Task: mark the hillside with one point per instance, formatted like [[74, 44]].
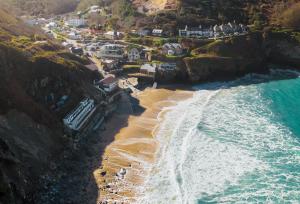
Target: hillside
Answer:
[[41, 7], [35, 74], [171, 15]]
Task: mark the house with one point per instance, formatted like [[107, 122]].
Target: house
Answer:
[[76, 50], [157, 32], [79, 116], [74, 36], [226, 29], [147, 54], [113, 35], [217, 29], [148, 69], [51, 25], [167, 67], [230, 28], [92, 67], [66, 44], [172, 49], [134, 55], [76, 22], [243, 28], [109, 65], [197, 32], [144, 32], [94, 9], [111, 51], [108, 84]]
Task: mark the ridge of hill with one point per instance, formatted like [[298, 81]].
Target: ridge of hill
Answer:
[[173, 14], [41, 7]]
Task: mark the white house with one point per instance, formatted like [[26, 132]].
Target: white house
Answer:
[[51, 25], [216, 31], [148, 69], [196, 32], [76, 22], [111, 51], [94, 9], [157, 32], [108, 84], [167, 67], [109, 65], [172, 49], [74, 36], [77, 118], [144, 32], [133, 55], [113, 35], [226, 29]]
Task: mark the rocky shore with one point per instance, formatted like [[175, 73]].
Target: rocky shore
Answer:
[[235, 56]]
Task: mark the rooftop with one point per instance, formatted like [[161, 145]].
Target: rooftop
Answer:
[[108, 79]]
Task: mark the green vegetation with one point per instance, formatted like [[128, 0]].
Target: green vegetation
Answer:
[[84, 4], [151, 40], [291, 17], [21, 41], [44, 7]]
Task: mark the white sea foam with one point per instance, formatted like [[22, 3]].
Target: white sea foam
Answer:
[[221, 146]]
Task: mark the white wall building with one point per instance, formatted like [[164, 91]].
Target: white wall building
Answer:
[[74, 36], [111, 51], [196, 32], [108, 84], [157, 32], [76, 119], [113, 35], [94, 9], [148, 69], [172, 49], [51, 25], [134, 55], [76, 22]]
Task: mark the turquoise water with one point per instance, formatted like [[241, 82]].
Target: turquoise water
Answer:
[[234, 142]]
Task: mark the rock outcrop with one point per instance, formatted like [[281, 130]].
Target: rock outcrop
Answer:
[[225, 59], [237, 56], [33, 78]]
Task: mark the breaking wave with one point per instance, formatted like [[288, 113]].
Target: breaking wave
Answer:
[[231, 142]]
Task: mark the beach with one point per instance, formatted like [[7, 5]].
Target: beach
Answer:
[[128, 159]]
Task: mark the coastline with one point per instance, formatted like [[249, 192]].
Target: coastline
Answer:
[[128, 159]]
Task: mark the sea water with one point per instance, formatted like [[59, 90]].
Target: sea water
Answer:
[[232, 142]]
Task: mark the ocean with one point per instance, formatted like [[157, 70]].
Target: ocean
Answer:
[[232, 142]]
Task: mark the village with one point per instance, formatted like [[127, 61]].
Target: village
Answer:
[[126, 66]]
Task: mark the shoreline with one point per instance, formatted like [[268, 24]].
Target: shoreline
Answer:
[[128, 160]]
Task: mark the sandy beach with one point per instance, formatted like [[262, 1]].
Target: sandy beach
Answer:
[[128, 159]]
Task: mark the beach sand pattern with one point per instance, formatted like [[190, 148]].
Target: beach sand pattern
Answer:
[[128, 160]]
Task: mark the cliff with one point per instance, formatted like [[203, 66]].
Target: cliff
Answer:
[[207, 68], [35, 73], [283, 48], [236, 56]]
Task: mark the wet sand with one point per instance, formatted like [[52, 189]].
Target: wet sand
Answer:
[[127, 161]]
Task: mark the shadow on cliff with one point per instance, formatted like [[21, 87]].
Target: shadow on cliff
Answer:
[[77, 184], [275, 74]]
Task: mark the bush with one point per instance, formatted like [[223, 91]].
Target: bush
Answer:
[[291, 17]]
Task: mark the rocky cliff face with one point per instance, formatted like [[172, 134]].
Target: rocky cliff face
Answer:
[[26, 150], [31, 132], [207, 68], [241, 55], [282, 49], [227, 59], [33, 78]]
